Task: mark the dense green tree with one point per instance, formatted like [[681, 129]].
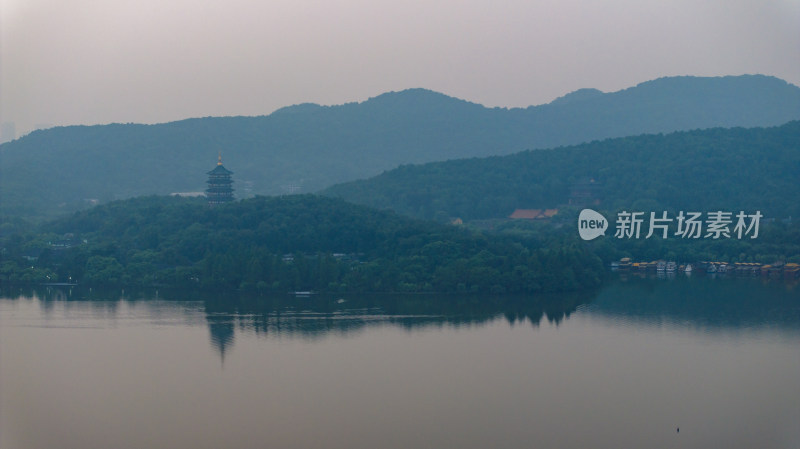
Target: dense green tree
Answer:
[[703, 170], [296, 243]]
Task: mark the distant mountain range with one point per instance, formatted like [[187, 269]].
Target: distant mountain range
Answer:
[[309, 147]]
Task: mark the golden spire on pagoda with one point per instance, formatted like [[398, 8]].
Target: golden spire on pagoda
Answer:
[[219, 160]]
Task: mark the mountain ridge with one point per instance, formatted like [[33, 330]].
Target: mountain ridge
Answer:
[[311, 147]]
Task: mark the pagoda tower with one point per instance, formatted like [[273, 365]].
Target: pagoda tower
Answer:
[[219, 184]]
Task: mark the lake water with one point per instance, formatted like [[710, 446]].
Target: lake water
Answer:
[[682, 363]]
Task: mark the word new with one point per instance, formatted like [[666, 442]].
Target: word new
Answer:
[[591, 224]]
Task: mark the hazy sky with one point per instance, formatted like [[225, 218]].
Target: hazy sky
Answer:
[[147, 61]]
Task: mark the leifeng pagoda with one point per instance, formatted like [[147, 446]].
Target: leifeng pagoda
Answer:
[[219, 184]]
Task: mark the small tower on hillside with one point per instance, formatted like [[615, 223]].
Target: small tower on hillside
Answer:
[[219, 184]]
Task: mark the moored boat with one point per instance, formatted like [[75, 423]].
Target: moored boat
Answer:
[[791, 271]]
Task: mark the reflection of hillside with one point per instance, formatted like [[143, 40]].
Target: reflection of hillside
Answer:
[[318, 316], [309, 318], [701, 301], [694, 302]]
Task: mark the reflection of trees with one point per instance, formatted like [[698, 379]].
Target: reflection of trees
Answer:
[[319, 316], [76, 293], [101, 303], [701, 301], [711, 303]]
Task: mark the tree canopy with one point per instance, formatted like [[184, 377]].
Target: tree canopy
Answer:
[[293, 243], [715, 169]]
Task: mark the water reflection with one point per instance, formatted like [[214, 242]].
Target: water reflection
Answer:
[[695, 302], [729, 304], [319, 316], [221, 327], [227, 313], [403, 371]]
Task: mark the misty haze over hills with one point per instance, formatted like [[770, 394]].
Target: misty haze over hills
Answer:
[[309, 147]]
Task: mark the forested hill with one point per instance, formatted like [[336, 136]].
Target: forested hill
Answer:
[[309, 147], [702, 170], [288, 243]]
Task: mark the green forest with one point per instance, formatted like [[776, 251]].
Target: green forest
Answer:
[[313, 243], [289, 243], [320, 244], [704, 170], [392, 232]]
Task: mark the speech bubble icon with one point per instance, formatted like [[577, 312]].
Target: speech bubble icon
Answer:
[[591, 224]]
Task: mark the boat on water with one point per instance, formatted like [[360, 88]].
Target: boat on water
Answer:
[[791, 271], [776, 270]]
